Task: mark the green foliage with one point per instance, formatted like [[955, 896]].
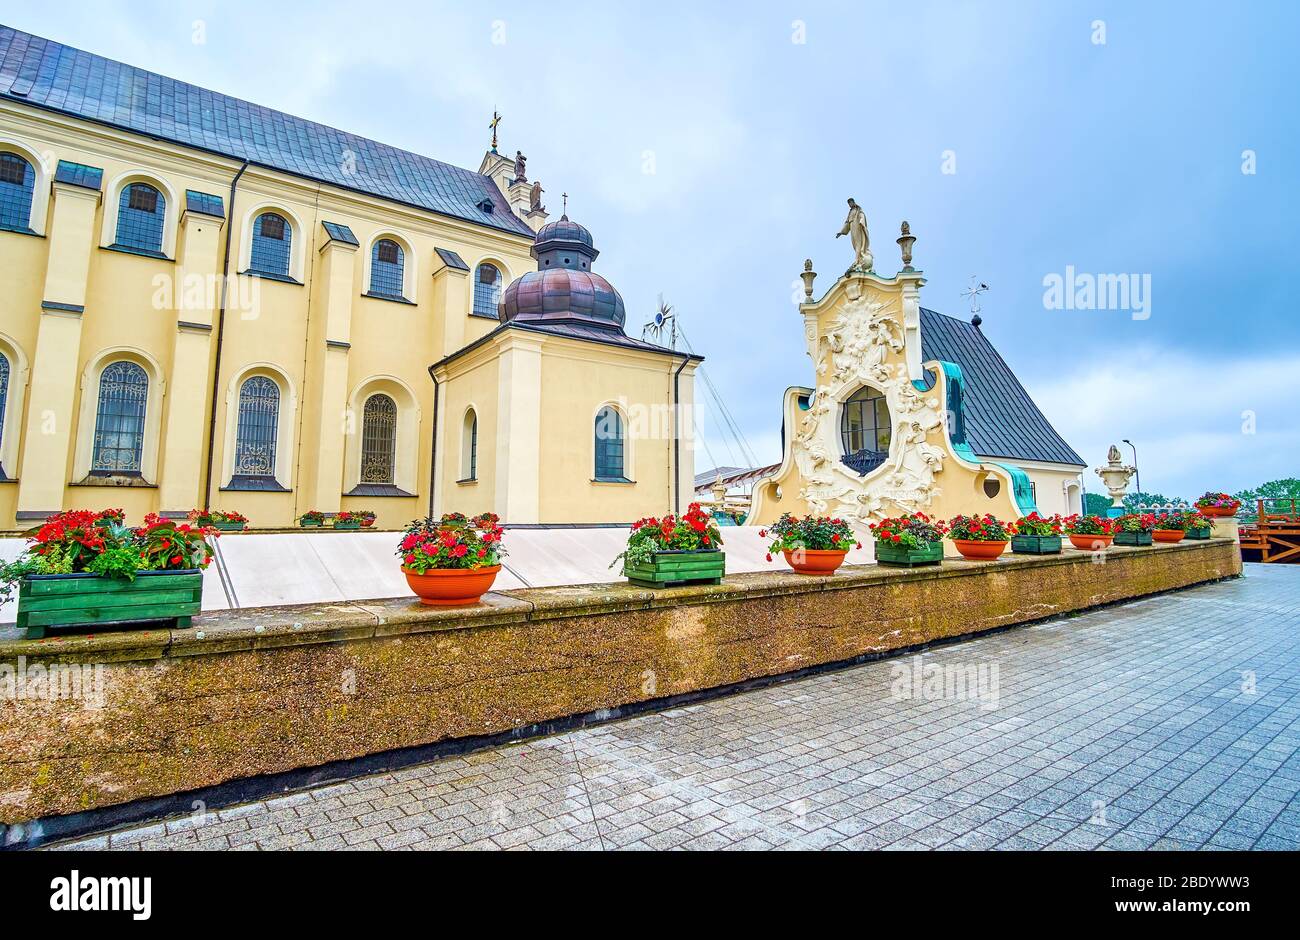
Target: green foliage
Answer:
[[1094, 504], [694, 531], [115, 563]]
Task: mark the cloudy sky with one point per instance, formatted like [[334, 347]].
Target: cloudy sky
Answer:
[[710, 151]]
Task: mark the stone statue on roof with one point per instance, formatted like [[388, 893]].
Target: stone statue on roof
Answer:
[[521, 161], [855, 226], [535, 197]]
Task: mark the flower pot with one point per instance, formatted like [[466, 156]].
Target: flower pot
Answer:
[[1091, 543], [1221, 512], [57, 600], [1168, 535], [309, 523], [367, 523], [979, 549], [900, 556], [1197, 534], [1132, 538], [814, 561], [346, 525], [451, 587], [673, 568], [230, 526], [1036, 544]]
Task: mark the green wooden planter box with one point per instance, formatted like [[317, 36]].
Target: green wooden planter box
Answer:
[[1036, 544], [346, 525], [890, 554], [60, 600], [1132, 538], [230, 526], [309, 523], [1198, 535], [669, 569]]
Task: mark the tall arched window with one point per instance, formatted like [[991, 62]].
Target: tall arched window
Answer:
[[272, 239], [140, 214], [609, 444], [259, 422], [378, 439], [17, 180], [386, 264], [487, 290], [865, 430], [469, 447], [119, 420]]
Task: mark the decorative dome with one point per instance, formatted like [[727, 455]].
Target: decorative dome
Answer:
[[563, 289]]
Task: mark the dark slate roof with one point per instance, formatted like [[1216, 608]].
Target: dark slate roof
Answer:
[[451, 259], [1001, 419], [49, 75], [204, 203], [78, 174], [340, 233]]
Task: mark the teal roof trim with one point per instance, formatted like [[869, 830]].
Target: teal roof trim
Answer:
[[1022, 489]]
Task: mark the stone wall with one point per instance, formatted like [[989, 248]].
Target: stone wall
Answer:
[[261, 691]]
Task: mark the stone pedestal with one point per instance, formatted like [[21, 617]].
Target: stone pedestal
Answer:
[[1225, 527]]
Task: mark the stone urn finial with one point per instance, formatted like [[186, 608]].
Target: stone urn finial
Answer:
[[719, 492], [808, 275], [1115, 476], [905, 241]]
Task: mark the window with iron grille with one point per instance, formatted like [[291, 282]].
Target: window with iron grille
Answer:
[[386, 263], [487, 291], [378, 439], [469, 447], [259, 422], [17, 180], [140, 214], [272, 239], [609, 444], [119, 421]]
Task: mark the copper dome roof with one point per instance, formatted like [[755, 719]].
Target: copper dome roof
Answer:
[[563, 289]]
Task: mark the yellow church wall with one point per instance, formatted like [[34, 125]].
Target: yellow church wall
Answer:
[[474, 384], [267, 324]]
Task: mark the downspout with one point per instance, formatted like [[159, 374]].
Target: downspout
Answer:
[[433, 447], [221, 331], [677, 440]]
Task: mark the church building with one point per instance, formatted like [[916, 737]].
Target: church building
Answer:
[[208, 303]]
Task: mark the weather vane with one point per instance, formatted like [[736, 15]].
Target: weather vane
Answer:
[[973, 292], [664, 319], [496, 119]]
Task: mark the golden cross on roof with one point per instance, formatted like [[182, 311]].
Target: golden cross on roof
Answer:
[[496, 119]]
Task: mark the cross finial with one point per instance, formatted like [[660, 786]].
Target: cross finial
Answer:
[[565, 213], [496, 119]]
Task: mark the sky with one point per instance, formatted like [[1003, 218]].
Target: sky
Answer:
[[710, 148]]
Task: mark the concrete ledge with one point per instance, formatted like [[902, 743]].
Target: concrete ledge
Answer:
[[264, 691]]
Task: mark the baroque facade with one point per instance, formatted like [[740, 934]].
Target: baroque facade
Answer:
[[911, 411], [209, 303]]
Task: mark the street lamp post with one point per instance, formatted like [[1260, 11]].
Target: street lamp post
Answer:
[[1136, 473]]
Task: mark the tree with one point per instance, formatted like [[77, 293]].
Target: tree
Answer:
[[1094, 504], [1133, 500]]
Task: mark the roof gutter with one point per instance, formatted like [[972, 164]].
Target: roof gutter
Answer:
[[221, 333], [433, 446]]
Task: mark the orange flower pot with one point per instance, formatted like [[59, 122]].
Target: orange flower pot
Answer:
[[1091, 543], [1220, 512], [980, 550], [814, 561], [1168, 535], [451, 587]]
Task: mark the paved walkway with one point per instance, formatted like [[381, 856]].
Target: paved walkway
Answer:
[[1172, 722]]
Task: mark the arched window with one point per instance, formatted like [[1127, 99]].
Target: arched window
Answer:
[[865, 430], [487, 290], [469, 447], [119, 420], [386, 263], [17, 180], [609, 444], [378, 439], [259, 421], [140, 214], [272, 239]]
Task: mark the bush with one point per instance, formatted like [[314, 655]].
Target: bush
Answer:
[[694, 531]]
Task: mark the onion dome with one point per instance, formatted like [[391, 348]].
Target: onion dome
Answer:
[[563, 289]]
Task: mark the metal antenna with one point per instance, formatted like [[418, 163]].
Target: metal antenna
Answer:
[[973, 292]]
